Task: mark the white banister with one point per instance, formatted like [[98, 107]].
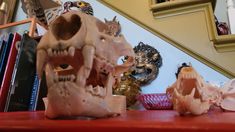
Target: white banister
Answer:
[[231, 15]]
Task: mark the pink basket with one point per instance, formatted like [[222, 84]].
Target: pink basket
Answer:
[[158, 101]]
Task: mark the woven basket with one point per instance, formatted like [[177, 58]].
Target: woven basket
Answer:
[[157, 101]]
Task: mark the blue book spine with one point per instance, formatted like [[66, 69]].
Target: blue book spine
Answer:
[[34, 95], [4, 56]]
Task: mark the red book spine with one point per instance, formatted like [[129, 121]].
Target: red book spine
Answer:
[[8, 71]]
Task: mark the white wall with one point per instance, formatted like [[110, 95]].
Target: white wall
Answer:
[[221, 11], [231, 15], [172, 57], [223, 15]]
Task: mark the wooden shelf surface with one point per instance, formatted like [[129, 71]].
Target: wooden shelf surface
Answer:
[[133, 121]]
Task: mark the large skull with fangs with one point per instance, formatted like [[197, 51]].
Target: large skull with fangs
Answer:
[[83, 86]]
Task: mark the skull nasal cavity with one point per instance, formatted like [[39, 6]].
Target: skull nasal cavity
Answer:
[[64, 29]]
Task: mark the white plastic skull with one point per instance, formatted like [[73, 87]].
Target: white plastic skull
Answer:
[[84, 87]]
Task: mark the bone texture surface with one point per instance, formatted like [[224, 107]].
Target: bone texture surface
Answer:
[[190, 94], [80, 61]]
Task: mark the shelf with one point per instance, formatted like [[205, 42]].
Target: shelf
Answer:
[[135, 121]]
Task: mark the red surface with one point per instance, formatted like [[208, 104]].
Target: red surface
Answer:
[[133, 121]]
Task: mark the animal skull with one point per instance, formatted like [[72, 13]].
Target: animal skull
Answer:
[[191, 94], [228, 102], [84, 87]]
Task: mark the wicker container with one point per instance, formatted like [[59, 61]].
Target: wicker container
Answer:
[[156, 101]]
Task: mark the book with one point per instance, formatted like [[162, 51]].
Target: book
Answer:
[[4, 56], [23, 77], [11, 90], [2, 44], [39, 91], [3, 38], [8, 71], [34, 93], [42, 93]]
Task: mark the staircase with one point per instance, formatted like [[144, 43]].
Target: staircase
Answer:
[[187, 24]]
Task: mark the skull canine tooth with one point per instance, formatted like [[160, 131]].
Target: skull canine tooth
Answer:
[[81, 80], [50, 75], [88, 53], [71, 51], [49, 52], [41, 61]]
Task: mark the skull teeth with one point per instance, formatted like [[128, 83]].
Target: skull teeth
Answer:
[[61, 52], [188, 76], [60, 78], [97, 90]]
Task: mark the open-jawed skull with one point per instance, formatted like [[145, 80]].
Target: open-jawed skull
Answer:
[[84, 87], [190, 94]]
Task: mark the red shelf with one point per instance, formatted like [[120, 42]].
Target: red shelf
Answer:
[[133, 121]]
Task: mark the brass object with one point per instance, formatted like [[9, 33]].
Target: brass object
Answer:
[[147, 63], [129, 87], [3, 12]]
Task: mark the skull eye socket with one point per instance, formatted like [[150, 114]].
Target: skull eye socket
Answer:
[[64, 29]]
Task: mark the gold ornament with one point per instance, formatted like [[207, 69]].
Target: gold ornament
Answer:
[[129, 87]]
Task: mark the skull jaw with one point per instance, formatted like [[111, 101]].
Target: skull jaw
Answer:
[[189, 105], [187, 97], [69, 100]]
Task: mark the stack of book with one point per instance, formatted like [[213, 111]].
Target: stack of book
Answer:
[[21, 89]]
